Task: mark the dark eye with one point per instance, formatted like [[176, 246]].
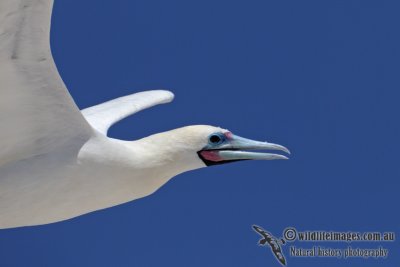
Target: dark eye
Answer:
[[215, 139]]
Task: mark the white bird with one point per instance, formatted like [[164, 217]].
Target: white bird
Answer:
[[56, 162]]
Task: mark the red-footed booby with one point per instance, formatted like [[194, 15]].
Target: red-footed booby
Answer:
[[56, 162]]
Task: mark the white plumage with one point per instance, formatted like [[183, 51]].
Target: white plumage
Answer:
[[57, 162]]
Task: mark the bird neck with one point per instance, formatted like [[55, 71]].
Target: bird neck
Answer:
[[167, 153], [145, 164]]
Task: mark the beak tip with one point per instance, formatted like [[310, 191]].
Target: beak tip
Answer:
[[287, 151], [281, 148], [278, 156]]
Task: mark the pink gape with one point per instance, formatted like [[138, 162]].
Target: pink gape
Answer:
[[211, 155]]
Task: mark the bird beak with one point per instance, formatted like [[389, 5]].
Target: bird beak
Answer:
[[233, 150]]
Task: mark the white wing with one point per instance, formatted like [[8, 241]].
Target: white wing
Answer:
[[103, 116], [36, 112]]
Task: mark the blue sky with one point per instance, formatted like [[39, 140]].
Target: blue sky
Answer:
[[320, 77]]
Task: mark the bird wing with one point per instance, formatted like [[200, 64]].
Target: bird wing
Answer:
[[104, 115], [37, 113]]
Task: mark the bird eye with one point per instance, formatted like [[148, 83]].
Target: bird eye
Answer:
[[215, 139]]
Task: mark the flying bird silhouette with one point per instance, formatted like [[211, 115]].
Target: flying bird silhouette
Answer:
[[56, 162], [273, 242]]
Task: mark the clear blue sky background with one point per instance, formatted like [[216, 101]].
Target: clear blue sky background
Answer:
[[321, 77]]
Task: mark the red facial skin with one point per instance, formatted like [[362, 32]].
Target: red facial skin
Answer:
[[228, 135]]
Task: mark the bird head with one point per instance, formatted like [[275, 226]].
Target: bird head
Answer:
[[222, 146], [202, 145]]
